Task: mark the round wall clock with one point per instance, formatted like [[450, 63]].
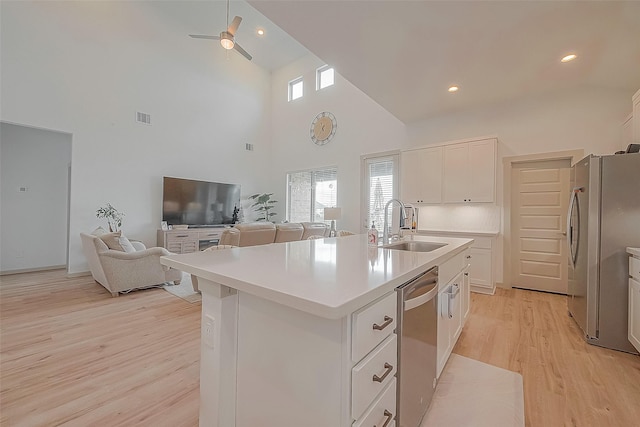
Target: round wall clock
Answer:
[[323, 128]]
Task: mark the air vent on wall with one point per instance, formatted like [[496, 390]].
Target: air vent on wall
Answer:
[[143, 118], [248, 147]]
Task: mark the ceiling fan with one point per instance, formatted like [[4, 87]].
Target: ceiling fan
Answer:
[[227, 37]]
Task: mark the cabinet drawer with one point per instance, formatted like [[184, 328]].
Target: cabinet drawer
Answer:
[[188, 247], [634, 268], [365, 334], [180, 237], [451, 268], [382, 409], [175, 247], [209, 235], [372, 375]]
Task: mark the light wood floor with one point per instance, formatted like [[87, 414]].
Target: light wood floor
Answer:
[[567, 382], [72, 355]]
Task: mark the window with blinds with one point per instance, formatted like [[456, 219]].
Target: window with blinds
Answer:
[[382, 181], [309, 192]]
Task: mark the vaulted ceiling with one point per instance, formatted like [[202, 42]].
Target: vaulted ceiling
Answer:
[[405, 54]]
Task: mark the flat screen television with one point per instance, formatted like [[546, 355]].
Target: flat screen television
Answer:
[[199, 203]]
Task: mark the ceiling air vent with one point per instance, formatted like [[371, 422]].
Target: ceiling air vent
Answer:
[[143, 118], [248, 147]]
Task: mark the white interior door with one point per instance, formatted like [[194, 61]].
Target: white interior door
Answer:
[[540, 197]]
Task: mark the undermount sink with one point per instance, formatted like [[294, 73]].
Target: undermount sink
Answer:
[[414, 246]]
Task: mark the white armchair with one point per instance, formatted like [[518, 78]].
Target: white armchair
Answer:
[[120, 271]]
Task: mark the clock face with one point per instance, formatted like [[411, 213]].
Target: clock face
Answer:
[[323, 128]]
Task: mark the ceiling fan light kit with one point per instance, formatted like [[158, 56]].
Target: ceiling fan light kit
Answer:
[[227, 38]]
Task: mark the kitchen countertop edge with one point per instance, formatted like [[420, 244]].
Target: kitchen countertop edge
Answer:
[[308, 305]]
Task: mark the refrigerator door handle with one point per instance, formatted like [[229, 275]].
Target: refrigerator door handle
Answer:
[[570, 230]]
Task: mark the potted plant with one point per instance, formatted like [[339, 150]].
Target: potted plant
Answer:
[[112, 215], [263, 205]]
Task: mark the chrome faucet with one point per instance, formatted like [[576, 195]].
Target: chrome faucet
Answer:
[[403, 217]]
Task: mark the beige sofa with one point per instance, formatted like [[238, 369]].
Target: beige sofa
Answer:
[[262, 233], [120, 271]]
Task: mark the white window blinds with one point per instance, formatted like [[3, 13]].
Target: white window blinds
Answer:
[[381, 175], [309, 192]]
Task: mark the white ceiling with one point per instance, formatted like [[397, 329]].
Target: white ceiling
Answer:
[[405, 54], [272, 51]]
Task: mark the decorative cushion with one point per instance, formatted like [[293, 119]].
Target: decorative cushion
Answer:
[[99, 231], [117, 242]]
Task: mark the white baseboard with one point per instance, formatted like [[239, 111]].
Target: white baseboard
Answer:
[[32, 270]]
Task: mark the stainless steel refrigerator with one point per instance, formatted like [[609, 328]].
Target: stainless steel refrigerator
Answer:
[[603, 219]]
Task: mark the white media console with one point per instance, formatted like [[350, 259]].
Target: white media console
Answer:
[[189, 240]]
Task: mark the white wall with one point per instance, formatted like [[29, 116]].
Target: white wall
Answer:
[[363, 127], [590, 119], [86, 68], [33, 230]]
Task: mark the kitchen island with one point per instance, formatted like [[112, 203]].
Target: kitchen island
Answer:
[[287, 336]]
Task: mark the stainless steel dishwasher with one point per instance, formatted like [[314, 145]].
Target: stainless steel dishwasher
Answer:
[[417, 331]]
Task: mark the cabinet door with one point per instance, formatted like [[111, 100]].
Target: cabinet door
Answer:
[[634, 313], [636, 118], [421, 175], [466, 297], [455, 309], [456, 173], [480, 270], [410, 176], [444, 339], [482, 171], [431, 160]]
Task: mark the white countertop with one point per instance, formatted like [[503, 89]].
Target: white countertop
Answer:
[[488, 233], [634, 251], [329, 277]]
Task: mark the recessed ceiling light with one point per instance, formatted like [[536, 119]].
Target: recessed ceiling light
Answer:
[[568, 58], [260, 32], [453, 89]]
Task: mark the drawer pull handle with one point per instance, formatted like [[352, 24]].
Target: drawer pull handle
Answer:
[[389, 417], [182, 235], [387, 322], [388, 368]]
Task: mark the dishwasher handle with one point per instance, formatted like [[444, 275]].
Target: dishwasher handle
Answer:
[[426, 285]]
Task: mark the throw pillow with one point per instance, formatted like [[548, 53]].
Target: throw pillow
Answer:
[[99, 231], [126, 244], [117, 242]]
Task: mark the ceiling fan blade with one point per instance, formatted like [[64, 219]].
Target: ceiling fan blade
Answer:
[[242, 51], [234, 25], [197, 36]]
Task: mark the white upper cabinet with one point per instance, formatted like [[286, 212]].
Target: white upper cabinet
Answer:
[[421, 175], [470, 172]]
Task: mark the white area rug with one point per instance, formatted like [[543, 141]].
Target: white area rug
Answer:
[[184, 290], [472, 393]]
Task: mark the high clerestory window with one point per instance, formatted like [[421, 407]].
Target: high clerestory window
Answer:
[[296, 87], [324, 77]]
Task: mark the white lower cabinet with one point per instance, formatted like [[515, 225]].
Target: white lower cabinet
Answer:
[[296, 369], [453, 309], [481, 270], [634, 302], [382, 411], [375, 351]]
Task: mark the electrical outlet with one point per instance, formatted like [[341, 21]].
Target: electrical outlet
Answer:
[[208, 331]]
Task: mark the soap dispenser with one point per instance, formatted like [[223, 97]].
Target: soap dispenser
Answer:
[[373, 235]]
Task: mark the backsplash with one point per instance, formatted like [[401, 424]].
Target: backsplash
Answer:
[[459, 218]]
